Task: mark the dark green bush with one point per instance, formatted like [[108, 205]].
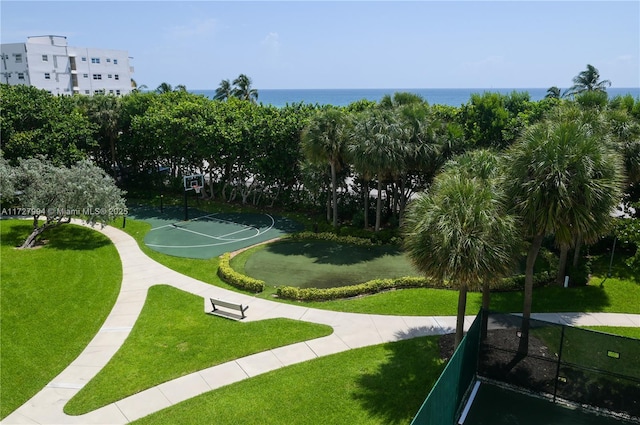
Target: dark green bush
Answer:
[[579, 275], [232, 277], [331, 237], [371, 287]]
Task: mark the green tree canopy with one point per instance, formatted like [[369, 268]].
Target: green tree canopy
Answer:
[[57, 194], [459, 232]]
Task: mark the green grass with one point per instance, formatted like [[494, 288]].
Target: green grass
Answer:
[[629, 332], [618, 294], [321, 264], [382, 385], [54, 299], [173, 337]]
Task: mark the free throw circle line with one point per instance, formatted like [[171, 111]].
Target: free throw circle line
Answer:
[[273, 222]]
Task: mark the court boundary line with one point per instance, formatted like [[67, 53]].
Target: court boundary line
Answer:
[[469, 403], [225, 241]]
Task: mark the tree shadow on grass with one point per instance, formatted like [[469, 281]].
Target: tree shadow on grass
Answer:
[[333, 253], [64, 237], [395, 392]]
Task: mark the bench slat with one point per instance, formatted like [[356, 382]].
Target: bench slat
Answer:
[[215, 303]]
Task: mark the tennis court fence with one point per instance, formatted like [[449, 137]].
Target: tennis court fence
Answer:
[[565, 363]]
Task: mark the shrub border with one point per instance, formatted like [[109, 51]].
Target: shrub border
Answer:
[[232, 277]]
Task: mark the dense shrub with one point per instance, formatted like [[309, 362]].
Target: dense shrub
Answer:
[[371, 287], [332, 237], [514, 283], [232, 277]]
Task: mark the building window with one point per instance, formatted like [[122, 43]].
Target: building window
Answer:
[[118, 92], [109, 76], [95, 60], [87, 92], [85, 75], [45, 58], [84, 59], [20, 75], [101, 91], [115, 61], [117, 77], [47, 76], [108, 60], [19, 58], [110, 91], [97, 76]]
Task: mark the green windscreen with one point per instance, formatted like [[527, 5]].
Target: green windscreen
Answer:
[[442, 403]]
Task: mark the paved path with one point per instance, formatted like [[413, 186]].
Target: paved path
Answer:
[[140, 272]]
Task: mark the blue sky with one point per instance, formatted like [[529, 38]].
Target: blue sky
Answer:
[[360, 44]]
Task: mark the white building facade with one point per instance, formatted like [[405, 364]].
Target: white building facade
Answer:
[[48, 63]]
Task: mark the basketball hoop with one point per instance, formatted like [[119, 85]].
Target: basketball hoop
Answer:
[[197, 188]]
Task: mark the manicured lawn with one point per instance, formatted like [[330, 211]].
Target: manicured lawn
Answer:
[[618, 330], [173, 337], [382, 385], [619, 294], [320, 264], [54, 299]]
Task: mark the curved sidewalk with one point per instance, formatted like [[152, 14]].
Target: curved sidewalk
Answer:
[[140, 272]]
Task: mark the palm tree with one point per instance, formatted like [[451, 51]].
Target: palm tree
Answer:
[[588, 80], [357, 150], [325, 140], [385, 152], [563, 180], [459, 232], [224, 91], [553, 93], [486, 166], [164, 88], [243, 89]]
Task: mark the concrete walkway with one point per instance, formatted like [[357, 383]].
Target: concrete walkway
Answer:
[[140, 272]]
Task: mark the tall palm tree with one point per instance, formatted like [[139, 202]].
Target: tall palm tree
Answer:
[[224, 91], [357, 150], [243, 89], [588, 80], [459, 232], [324, 140], [563, 181], [553, 93], [385, 152], [486, 166], [164, 88]]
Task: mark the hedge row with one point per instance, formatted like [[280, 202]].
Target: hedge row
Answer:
[[370, 287], [332, 237], [513, 283], [516, 283], [232, 277]]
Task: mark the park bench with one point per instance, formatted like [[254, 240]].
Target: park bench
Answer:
[[216, 304]]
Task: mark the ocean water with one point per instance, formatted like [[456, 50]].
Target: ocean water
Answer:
[[343, 97]]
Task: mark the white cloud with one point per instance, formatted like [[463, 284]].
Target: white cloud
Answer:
[[271, 43]]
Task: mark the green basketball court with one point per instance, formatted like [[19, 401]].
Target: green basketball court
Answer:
[[207, 235]]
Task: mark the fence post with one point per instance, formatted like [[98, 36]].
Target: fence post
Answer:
[[555, 385]]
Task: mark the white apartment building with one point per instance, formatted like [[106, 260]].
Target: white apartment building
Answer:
[[48, 63]]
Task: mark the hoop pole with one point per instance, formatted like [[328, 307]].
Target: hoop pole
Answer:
[[186, 207]]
